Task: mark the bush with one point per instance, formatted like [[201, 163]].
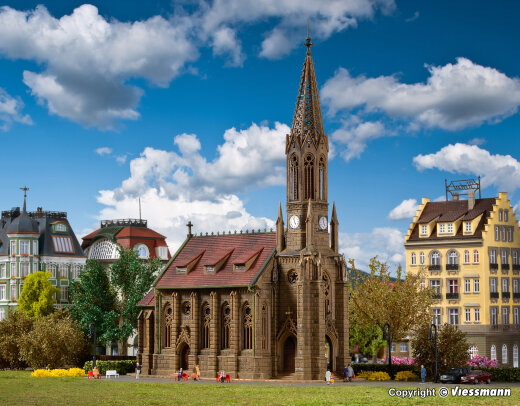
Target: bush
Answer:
[[502, 374], [122, 367], [47, 373], [406, 376], [400, 361], [379, 376], [55, 341], [482, 361], [12, 329], [358, 368]]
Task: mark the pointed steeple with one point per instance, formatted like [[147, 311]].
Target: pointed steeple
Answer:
[[334, 225], [307, 125], [280, 237]]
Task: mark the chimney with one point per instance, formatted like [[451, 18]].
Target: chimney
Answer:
[[455, 195], [471, 199]]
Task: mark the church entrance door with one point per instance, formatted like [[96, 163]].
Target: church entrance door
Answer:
[[289, 353], [328, 353], [185, 360]]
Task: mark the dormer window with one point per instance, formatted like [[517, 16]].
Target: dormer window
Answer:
[[59, 227], [163, 252], [450, 228], [187, 266], [142, 251], [442, 228], [467, 229], [209, 269], [424, 229], [181, 269]]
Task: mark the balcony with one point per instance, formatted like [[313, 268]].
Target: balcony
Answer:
[[516, 267], [506, 295], [437, 296], [434, 267], [493, 295], [516, 295], [452, 296], [452, 267], [493, 266], [505, 267]]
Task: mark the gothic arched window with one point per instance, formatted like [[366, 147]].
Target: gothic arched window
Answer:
[[168, 322], [247, 328], [226, 326], [308, 168], [264, 326], [205, 331], [293, 178], [322, 176], [327, 296]]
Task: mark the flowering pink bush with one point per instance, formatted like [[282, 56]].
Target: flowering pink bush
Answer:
[[481, 361], [400, 361]]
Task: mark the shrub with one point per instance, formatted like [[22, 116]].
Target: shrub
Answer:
[[12, 329], [379, 376], [364, 374], [48, 373], [55, 341], [122, 367], [400, 361], [406, 376], [482, 361], [358, 368]]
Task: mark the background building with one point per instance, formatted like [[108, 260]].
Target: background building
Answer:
[[36, 241], [470, 250], [104, 243]]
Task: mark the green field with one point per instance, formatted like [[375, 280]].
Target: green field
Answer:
[[18, 388]]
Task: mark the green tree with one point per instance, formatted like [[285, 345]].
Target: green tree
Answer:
[[55, 341], [452, 347], [368, 340], [12, 329], [376, 300], [37, 299], [130, 278], [92, 299]]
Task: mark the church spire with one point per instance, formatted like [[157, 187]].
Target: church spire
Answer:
[[280, 234], [307, 125]]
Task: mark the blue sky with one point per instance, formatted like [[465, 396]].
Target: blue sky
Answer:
[[187, 104]]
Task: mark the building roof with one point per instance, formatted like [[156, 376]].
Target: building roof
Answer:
[[148, 299], [241, 248], [450, 211]]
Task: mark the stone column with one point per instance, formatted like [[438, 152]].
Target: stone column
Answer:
[[304, 322], [214, 333], [235, 330], [195, 327], [176, 328]]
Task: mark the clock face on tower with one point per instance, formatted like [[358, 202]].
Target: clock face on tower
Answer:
[[322, 223], [294, 222]]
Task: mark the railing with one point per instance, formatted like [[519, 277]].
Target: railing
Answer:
[[452, 296], [493, 266], [516, 295], [516, 267], [504, 267], [506, 295], [50, 214], [452, 267], [493, 295], [124, 223], [437, 296], [434, 267]]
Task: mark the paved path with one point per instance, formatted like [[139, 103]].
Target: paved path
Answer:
[[389, 384]]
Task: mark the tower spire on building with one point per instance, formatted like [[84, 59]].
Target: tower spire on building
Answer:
[[25, 189], [307, 125]]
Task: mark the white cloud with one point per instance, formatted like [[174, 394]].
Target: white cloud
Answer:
[[477, 141], [121, 159], [10, 110], [87, 59], [356, 135], [103, 151], [225, 42], [413, 18], [179, 186], [502, 171], [405, 210], [384, 242]]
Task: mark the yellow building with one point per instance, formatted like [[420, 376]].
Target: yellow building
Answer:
[[470, 250]]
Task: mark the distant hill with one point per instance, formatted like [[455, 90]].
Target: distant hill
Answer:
[[357, 277]]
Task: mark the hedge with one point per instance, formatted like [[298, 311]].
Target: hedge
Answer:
[[122, 367], [384, 368], [502, 374]]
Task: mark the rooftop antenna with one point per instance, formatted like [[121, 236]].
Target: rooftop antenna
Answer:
[[139, 208]]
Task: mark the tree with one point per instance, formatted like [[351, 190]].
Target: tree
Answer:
[[130, 278], [37, 297], [377, 300], [12, 329], [452, 347], [368, 340], [55, 341], [92, 299]]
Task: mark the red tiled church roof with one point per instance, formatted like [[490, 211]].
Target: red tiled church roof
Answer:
[[213, 248], [148, 299]]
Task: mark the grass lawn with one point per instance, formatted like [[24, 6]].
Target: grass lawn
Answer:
[[18, 388]]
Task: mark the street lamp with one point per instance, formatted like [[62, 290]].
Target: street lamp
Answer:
[[433, 336], [92, 333], [387, 335]]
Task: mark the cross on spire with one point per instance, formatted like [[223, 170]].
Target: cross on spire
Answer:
[[25, 189], [308, 43]]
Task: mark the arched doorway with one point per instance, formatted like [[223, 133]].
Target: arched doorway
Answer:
[[185, 357], [329, 354], [289, 353]]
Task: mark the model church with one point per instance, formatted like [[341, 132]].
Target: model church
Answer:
[[259, 305]]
